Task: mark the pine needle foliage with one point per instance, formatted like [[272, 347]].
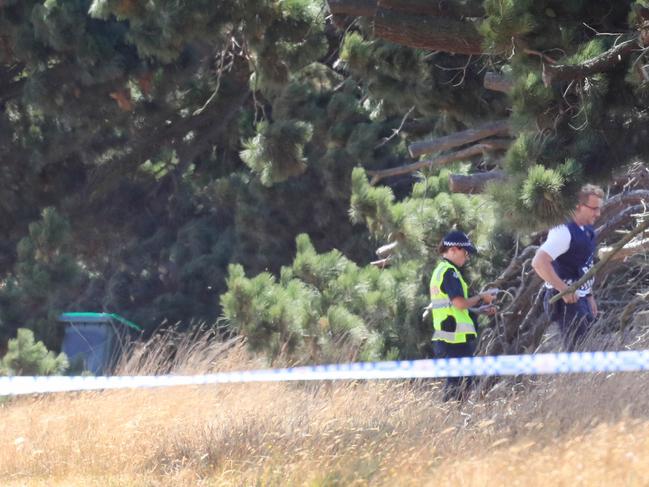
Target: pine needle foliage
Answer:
[[323, 308], [276, 153], [25, 356]]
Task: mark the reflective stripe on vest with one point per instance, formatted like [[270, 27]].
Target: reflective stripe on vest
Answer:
[[443, 308]]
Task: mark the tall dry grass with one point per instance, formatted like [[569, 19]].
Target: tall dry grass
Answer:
[[581, 429]]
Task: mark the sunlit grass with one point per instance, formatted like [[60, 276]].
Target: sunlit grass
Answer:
[[586, 429]]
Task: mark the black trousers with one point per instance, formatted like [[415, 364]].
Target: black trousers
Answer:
[[575, 320], [455, 387]]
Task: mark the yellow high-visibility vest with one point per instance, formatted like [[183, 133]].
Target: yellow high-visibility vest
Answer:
[[450, 325]]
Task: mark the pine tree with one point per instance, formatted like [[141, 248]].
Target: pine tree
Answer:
[[25, 356]]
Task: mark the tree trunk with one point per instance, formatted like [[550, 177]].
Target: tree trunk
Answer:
[[500, 127], [451, 9], [455, 9], [473, 183], [431, 33], [354, 8]]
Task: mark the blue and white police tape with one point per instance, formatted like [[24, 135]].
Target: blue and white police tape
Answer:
[[543, 363]]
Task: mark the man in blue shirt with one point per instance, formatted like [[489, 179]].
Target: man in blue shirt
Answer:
[[566, 255]]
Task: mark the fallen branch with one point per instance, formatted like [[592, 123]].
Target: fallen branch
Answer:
[[604, 62], [611, 224], [382, 263], [500, 127], [387, 249], [473, 183], [630, 309], [461, 155], [593, 270], [513, 268], [497, 82], [620, 201], [632, 248]]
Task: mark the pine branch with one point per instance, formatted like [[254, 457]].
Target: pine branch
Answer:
[[481, 148], [500, 127], [593, 270], [604, 62]]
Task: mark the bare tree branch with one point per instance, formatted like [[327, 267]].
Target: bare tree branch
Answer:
[[485, 146], [497, 82], [500, 127], [611, 224], [632, 248], [620, 201], [473, 183], [604, 62]]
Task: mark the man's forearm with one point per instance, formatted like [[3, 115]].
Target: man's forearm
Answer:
[[542, 264]]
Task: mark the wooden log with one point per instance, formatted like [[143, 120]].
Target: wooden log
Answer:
[[452, 9], [473, 183], [461, 155], [354, 8], [499, 127], [426, 32], [497, 82]]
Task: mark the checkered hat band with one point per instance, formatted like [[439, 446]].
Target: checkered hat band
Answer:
[[458, 244]]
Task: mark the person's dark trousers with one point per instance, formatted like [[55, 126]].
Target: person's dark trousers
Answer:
[[575, 320], [455, 386]]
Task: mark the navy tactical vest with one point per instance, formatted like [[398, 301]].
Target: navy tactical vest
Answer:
[[578, 259]]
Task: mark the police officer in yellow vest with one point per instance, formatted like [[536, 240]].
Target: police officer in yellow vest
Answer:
[[454, 329]]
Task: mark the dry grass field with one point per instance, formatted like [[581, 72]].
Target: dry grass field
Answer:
[[570, 430]]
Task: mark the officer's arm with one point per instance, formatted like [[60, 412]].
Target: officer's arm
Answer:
[[465, 303], [542, 264]]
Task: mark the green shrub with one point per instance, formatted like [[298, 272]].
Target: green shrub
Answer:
[[25, 356]]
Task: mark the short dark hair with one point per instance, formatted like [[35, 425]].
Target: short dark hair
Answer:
[[441, 248]]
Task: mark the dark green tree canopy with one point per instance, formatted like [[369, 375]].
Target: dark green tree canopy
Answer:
[[154, 154]]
